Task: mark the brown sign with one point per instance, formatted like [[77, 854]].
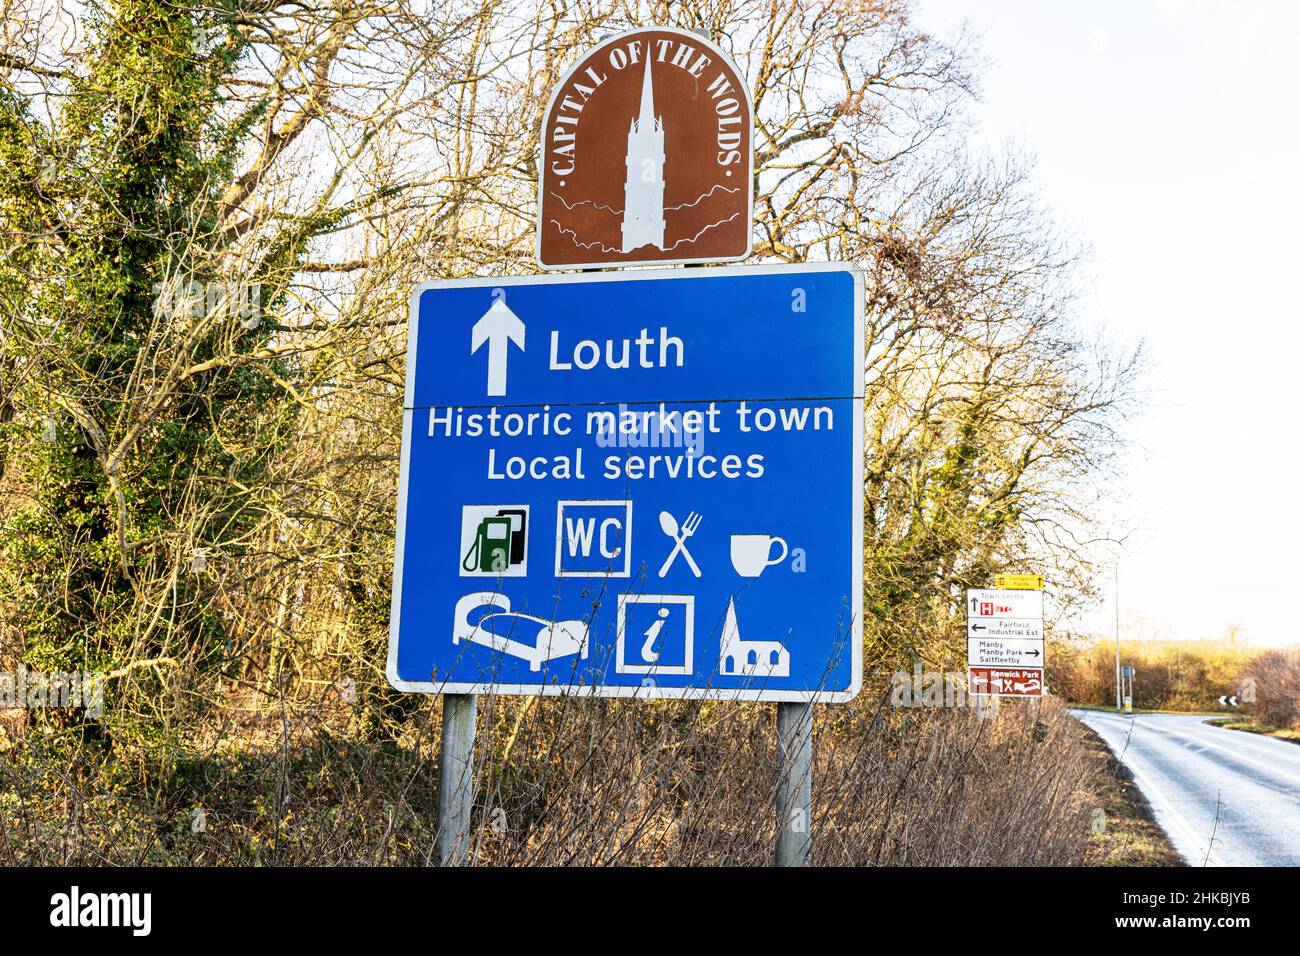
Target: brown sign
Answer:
[[647, 156], [1005, 681]]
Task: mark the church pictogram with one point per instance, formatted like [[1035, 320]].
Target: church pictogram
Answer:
[[643, 193]]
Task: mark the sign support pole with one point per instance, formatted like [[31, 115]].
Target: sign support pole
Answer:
[[794, 749], [456, 777]]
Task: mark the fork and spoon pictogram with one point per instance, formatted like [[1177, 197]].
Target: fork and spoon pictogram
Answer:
[[679, 534]]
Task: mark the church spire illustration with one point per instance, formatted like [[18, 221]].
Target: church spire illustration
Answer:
[[643, 192]]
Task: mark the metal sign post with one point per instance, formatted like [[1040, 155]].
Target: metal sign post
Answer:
[[794, 752], [456, 778], [1126, 684]]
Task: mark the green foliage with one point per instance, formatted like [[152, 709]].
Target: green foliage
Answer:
[[137, 437]]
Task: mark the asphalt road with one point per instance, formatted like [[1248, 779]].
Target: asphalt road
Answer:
[[1225, 798]]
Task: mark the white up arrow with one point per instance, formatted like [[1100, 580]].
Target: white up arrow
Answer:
[[498, 328]]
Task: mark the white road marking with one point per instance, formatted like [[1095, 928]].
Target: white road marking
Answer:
[[1163, 805]]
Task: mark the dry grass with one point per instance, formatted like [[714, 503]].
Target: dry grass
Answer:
[[1185, 676], [1281, 733], [576, 782], [1126, 834]]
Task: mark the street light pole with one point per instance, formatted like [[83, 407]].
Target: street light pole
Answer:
[[1119, 678]]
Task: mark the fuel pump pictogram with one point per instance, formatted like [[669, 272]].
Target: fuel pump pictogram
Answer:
[[494, 540]]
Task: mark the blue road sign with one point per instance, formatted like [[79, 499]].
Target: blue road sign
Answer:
[[636, 484]]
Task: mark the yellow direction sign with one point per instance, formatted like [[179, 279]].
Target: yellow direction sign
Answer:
[[1019, 582]]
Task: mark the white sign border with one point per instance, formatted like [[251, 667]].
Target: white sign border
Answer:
[[645, 692]]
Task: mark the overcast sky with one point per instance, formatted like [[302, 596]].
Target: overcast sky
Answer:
[[1166, 136]]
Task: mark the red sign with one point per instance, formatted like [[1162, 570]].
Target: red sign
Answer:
[[646, 155], [1006, 681]]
